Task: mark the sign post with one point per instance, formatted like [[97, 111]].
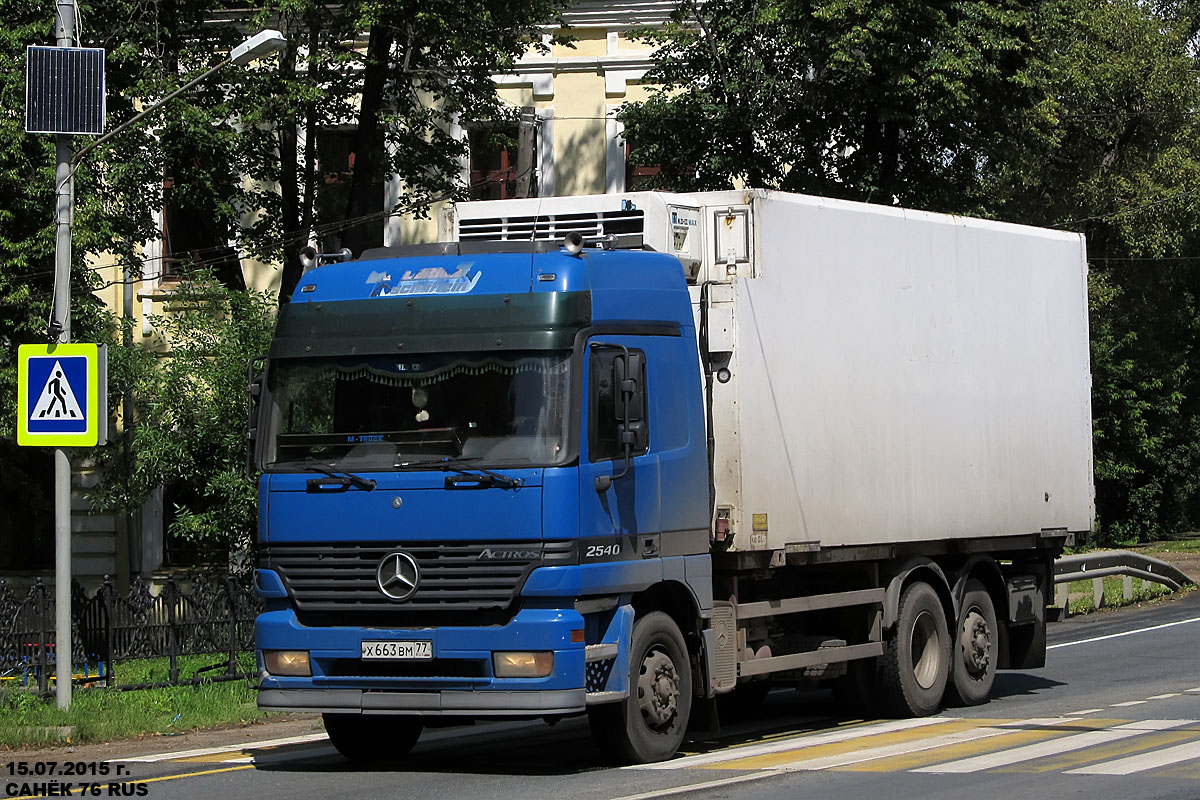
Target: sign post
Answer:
[[60, 327], [65, 91]]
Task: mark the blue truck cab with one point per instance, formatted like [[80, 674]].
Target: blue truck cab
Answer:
[[485, 492]]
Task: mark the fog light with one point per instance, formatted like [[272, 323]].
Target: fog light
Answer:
[[292, 663], [523, 665]]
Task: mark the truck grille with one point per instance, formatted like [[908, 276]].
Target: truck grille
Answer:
[[326, 578], [590, 225]]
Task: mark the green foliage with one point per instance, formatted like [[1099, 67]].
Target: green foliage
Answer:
[[27, 264], [1125, 170], [192, 408], [1083, 601], [238, 156], [1076, 114], [421, 74], [863, 99], [101, 715]]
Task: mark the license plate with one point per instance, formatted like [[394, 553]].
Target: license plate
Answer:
[[397, 651]]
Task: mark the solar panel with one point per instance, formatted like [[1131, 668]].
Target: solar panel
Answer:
[[64, 90]]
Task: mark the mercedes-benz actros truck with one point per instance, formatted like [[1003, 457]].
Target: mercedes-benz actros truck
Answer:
[[619, 455]]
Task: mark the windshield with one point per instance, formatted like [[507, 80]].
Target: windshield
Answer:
[[385, 412]]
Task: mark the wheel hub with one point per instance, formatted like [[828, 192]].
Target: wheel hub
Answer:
[[658, 688], [926, 650], [975, 641]]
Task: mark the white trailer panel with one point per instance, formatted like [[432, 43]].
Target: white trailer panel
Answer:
[[895, 376], [904, 376]]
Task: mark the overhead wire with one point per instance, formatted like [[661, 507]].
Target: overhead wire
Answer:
[[1131, 210]]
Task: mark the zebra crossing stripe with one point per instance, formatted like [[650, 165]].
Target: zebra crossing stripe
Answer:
[[1014, 734], [875, 747], [1143, 761], [1053, 747], [796, 742], [1107, 752]]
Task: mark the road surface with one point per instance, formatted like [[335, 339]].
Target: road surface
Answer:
[[1115, 713]]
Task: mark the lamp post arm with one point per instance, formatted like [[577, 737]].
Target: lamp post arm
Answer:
[[147, 112]]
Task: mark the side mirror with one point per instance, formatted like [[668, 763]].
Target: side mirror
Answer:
[[629, 369]]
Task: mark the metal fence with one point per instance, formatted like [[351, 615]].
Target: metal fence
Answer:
[[196, 615]]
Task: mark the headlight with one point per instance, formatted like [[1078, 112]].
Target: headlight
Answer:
[[289, 663], [523, 664]]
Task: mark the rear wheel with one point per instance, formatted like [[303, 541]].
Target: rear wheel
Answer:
[[649, 724], [372, 737], [974, 659], [916, 663]]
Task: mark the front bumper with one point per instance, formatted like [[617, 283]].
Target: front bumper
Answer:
[[435, 703], [472, 689]]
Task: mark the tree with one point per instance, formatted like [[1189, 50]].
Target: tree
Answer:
[[861, 99], [27, 222], [190, 434], [1076, 114], [1124, 168], [421, 72], [237, 158]]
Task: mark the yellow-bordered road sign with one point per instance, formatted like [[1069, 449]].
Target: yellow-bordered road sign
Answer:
[[62, 395]]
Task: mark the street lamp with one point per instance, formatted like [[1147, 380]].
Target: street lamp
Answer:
[[261, 44]]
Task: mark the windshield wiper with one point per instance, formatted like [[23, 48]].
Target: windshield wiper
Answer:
[[366, 484], [459, 465]]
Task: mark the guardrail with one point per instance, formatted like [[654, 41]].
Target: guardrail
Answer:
[[1098, 565]]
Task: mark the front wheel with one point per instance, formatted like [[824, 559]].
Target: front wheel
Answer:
[[366, 738], [649, 724]]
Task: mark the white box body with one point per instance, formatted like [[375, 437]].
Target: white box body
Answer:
[[895, 376]]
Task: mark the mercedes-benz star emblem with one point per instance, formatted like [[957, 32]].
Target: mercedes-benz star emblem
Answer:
[[398, 575]]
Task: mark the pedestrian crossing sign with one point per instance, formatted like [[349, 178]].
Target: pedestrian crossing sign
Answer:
[[61, 395]]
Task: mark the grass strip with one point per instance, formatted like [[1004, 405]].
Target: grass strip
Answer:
[[99, 715]]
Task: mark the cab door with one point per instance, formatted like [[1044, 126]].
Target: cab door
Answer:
[[620, 508]]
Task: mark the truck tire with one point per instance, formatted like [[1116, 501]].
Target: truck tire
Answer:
[[365, 738], [915, 665], [974, 659], [649, 724]]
